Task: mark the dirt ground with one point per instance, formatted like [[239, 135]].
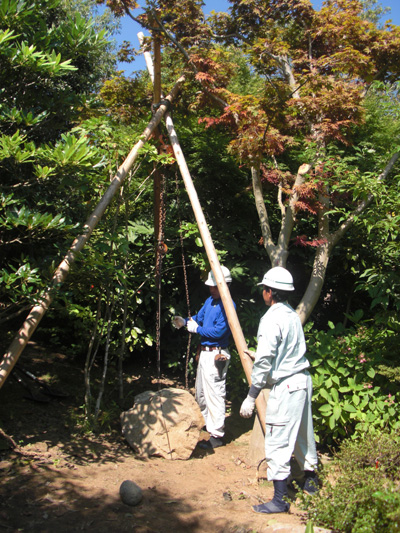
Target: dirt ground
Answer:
[[53, 478]]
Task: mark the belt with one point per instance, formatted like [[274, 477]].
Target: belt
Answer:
[[210, 348]]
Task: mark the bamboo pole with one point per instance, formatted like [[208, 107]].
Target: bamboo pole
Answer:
[[157, 181], [226, 298], [157, 70], [38, 311]]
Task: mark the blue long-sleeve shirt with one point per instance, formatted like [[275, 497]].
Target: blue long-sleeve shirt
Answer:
[[213, 324]]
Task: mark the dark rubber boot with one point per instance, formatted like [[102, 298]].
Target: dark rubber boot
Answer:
[[311, 484], [277, 504]]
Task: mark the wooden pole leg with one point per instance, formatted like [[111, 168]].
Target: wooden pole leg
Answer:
[[257, 440]]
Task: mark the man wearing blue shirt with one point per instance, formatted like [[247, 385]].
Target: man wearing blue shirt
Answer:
[[212, 325]]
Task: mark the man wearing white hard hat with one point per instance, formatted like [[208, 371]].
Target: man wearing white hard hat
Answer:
[[280, 362], [212, 325]]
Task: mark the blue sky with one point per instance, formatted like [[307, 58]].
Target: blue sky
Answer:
[[130, 29]]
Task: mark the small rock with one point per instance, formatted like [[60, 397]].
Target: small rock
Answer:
[[130, 493]]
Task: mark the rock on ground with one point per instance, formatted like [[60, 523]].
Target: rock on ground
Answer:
[[130, 493], [166, 423]]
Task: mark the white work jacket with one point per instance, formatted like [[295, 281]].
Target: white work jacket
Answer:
[[281, 346]]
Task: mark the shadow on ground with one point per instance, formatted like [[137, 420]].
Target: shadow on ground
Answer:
[[46, 464]]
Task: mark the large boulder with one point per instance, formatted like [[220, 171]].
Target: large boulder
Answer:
[[166, 423]]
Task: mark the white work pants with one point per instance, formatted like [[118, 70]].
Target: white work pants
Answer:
[[211, 391], [289, 426]]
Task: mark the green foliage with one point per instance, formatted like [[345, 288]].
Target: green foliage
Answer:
[[351, 392], [20, 278], [373, 10], [380, 249], [245, 80], [236, 382], [50, 61], [360, 490], [112, 264]]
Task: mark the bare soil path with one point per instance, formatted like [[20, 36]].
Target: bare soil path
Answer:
[[58, 480]]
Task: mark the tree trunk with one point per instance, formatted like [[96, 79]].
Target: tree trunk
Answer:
[[313, 291], [88, 394]]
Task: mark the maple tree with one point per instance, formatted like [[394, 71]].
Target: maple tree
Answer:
[[298, 133]]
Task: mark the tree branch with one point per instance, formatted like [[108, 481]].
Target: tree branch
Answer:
[[322, 255], [262, 212], [289, 216], [316, 282]]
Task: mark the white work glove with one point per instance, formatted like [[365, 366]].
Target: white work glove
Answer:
[[251, 354], [247, 407], [178, 322], [192, 326]]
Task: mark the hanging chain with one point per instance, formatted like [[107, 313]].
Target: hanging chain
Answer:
[[185, 280], [159, 258], [161, 250]]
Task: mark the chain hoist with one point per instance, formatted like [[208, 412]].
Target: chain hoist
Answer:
[[185, 281], [161, 250]]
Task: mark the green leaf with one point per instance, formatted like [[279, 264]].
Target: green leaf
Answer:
[[349, 408], [337, 411], [325, 409], [309, 527], [7, 35], [335, 395], [325, 394], [342, 370], [380, 404]]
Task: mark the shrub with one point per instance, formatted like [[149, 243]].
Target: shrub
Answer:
[[352, 391], [360, 487]]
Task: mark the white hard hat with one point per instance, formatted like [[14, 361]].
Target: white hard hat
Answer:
[[211, 280], [278, 278]]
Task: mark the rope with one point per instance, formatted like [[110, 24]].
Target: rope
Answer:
[[163, 422]]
